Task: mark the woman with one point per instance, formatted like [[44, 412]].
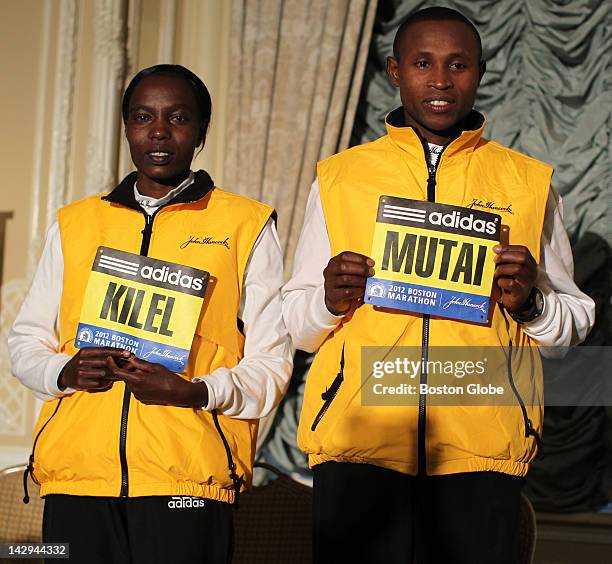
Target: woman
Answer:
[[133, 460]]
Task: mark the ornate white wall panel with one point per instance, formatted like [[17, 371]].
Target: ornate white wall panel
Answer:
[[63, 100], [15, 398], [109, 66], [132, 42], [37, 181]]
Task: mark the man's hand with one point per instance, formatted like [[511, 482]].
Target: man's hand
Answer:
[[515, 275], [87, 369], [346, 275], [152, 383]]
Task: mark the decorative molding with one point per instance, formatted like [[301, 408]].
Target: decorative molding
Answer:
[[63, 102], [4, 218], [110, 17], [132, 40], [43, 77], [132, 45]]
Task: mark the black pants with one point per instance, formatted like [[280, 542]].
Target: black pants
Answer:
[[143, 529], [363, 513]]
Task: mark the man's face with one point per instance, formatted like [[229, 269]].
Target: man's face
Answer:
[[438, 72], [163, 130]]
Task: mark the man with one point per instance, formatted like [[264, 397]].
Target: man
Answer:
[[442, 480]]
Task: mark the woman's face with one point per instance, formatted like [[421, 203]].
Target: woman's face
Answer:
[[163, 130]]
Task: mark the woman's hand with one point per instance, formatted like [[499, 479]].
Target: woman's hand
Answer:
[[153, 383], [87, 370]]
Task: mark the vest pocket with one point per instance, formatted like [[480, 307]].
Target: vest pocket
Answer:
[[529, 429], [29, 471], [330, 393]]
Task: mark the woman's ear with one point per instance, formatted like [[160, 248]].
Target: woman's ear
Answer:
[[202, 136]]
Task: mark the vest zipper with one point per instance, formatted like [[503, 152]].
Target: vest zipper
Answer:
[[422, 466], [146, 233], [122, 440], [529, 430], [125, 408], [29, 471], [330, 393], [421, 429], [144, 251]]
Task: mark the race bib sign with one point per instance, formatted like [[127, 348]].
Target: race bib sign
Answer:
[[147, 306], [433, 258]]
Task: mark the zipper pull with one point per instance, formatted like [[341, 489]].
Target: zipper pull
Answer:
[[148, 228], [530, 431], [29, 469], [431, 185], [146, 235]]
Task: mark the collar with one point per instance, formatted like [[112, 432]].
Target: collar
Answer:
[[123, 194], [407, 139], [148, 202]]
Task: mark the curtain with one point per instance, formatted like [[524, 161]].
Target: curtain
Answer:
[[296, 74], [294, 85]]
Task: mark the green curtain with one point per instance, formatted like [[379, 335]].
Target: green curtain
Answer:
[[547, 92]]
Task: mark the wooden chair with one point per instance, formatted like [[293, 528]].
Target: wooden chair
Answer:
[[274, 523], [527, 531], [19, 522]]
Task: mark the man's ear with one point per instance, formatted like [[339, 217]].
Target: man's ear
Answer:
[[481, 70], [392, 71]]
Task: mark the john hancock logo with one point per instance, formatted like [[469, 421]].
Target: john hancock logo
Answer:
[[193, 240], [464, 302], [491, 206]]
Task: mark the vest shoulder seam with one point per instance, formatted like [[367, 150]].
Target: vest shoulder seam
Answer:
[[355, 149], [517, 154], [82, 201], [242, 197]]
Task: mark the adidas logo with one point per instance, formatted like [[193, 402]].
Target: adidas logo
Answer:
[[184, 502]]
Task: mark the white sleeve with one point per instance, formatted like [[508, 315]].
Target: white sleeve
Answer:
[[256, 384], [34, 337], [306, 315], [568, 313]]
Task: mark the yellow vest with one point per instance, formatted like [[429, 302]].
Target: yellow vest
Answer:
[[335, 426], [168, 450]]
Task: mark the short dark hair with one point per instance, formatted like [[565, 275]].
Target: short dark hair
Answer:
[[436, 14], [202, 96]]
